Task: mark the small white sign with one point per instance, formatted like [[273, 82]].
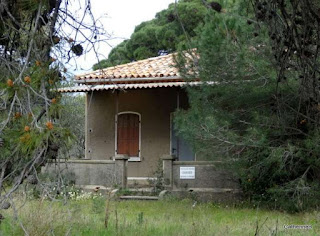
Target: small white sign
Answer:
[[187, 172]]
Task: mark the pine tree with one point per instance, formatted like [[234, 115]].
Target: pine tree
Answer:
[[34, 49], [256, 123]]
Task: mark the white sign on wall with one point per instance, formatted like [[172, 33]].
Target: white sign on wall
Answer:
[[188, 172]]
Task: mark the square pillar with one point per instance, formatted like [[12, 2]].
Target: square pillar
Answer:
[[168, 170], [121, 161]]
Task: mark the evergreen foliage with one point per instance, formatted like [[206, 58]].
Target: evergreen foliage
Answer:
[[258, 125], [28, 77], [73, 116], [35, 48], [163, 34]]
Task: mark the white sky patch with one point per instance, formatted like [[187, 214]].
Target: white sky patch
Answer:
[[119, 18]]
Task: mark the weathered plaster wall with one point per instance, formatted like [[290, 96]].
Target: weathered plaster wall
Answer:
[[85, 172], [210, 182], [92, 172], [154, 105], [100, 125], [207, 175]]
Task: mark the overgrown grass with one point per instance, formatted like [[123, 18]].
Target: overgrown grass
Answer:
[[172, 217]]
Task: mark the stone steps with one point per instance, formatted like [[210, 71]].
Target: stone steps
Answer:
[[139, 194]]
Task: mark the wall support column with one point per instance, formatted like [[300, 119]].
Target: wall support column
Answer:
[[167, 170], [121, 162]]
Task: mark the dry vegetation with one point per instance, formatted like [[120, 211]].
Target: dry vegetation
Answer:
[[170, 217]]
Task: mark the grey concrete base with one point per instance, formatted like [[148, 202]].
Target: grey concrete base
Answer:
[[141, 190], [208, 194], [136, 182], [207, 175], [103, 173], [94, 188], [142, 198]]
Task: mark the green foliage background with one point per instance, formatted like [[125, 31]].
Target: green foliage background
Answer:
[[261, 115], [248, 119], [162, 34]]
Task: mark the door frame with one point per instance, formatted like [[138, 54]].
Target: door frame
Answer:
[[138, 158], [172, 127]]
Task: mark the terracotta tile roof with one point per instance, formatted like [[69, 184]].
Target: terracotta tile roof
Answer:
[[162, 66]]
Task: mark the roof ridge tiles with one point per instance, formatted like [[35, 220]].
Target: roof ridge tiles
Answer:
[[161, 66]]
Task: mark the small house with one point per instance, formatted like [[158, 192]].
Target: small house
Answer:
[[129, 110], [129, 128]]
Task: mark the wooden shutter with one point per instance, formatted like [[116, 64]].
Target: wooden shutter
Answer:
[[128, 134]]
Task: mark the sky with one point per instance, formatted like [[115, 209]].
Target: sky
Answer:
[[119, 18]]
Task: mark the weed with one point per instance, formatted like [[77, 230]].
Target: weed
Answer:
[[182, 217], [140, 218], [157, 182]]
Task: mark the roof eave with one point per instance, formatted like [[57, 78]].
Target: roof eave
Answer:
[[91, 88], [131, 80]]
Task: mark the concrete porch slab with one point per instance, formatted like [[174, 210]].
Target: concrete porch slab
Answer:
[[94, 188], [139, 182], [218, 195], [142, 198]]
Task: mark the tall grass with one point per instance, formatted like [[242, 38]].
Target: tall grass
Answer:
[[172, 217]]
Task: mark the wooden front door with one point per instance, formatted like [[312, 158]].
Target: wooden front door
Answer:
[[128, 134]]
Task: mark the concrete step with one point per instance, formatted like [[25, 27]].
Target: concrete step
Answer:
[[141, 198], [139, 182], [140, 190]]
